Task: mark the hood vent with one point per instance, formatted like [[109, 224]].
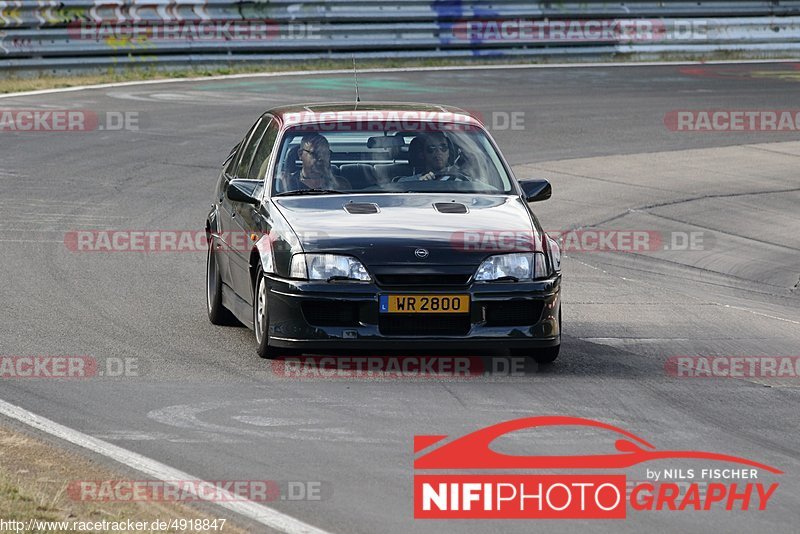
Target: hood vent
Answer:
[[361, 208], [450, 207]]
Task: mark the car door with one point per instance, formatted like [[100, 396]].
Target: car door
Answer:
[[228, 241], [220, 215], [245, 218]]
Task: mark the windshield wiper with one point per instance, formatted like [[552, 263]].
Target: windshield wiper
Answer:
[[311, 192]]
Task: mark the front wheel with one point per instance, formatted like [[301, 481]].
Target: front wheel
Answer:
[[545, 355], [548, 355], [261, 317]]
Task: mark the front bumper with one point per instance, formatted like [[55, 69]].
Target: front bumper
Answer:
[[318, 316]]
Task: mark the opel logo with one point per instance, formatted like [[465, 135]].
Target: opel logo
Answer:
[[421, 253]]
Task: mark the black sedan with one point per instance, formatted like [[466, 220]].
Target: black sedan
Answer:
[[382, 226]]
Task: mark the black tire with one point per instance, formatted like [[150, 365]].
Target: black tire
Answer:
[[545, 355], [261, 327], [541, 356], [548, 355], [217, 313]]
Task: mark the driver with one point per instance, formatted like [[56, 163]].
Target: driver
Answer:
[[315, 154], [435, 159]]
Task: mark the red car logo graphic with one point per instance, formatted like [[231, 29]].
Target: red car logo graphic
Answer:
[[473, 451]]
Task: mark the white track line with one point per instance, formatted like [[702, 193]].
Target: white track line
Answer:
[[251, 510], [395, 69]]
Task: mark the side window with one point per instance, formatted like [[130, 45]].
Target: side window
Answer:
[[233, 166], [259, 167], [230, 162], [250, 148]]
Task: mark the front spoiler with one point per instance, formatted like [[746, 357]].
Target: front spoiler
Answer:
[[290, 330]]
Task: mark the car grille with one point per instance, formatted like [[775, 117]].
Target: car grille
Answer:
[[434, 280], [513, 312], [326, 313], [424, 324]]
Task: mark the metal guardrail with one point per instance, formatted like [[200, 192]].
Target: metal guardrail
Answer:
[[85, 34]]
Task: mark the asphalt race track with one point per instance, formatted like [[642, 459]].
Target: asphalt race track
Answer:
[[206, 404]]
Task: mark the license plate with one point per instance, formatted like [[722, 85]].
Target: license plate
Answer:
[[424, 303]]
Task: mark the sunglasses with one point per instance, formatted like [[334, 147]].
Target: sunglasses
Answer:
[[430, 149], [315, 155]]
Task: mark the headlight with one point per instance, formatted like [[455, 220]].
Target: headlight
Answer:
[[327, 267], [512, 267]]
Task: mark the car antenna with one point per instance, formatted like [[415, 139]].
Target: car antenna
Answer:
[[355, 77]]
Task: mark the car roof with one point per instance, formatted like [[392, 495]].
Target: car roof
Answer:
[[352, 111]]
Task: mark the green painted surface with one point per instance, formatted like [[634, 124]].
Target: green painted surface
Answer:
[[334, 84]]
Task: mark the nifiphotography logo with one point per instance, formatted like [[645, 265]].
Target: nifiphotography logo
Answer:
[[721, 482]]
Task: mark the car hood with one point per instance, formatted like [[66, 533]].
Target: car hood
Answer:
[[402, 223]]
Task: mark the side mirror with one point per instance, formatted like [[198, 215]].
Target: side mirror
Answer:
[[536, 190], [242, 191]]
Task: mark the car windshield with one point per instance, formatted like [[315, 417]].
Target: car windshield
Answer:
[[374, 158]]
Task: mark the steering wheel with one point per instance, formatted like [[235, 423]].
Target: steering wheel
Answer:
[[457, 176]]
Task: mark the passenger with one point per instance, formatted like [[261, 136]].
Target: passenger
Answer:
[[315, 154]]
